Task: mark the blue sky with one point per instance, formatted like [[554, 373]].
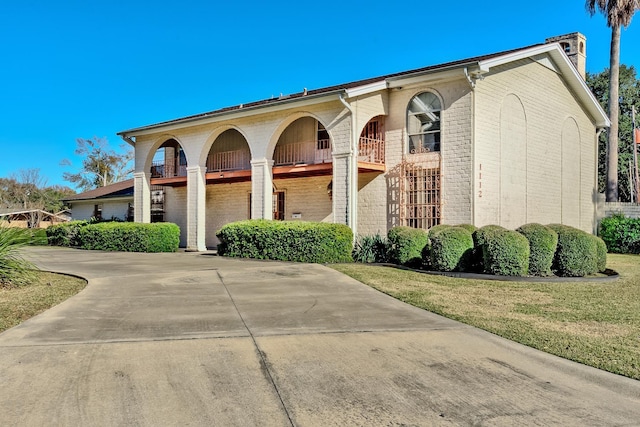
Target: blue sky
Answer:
[[78, 69]]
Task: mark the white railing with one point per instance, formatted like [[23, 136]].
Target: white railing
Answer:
[[228, 160], [160, 169], [371, 151], [298, 153]]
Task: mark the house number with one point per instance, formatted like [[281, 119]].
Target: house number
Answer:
[[480, 181]]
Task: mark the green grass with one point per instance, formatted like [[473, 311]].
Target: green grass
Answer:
[[595, 323], [44, 290]]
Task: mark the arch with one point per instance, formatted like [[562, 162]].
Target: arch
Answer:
[[371, 146], [306, 138], [160, 141], [213, 136], [229, 151], [571, 180], [423, 121], [513, 162]]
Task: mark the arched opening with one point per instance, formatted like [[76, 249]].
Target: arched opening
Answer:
[[423, 123], [230, 151], [305, 141], [169, 161], [371, 142]]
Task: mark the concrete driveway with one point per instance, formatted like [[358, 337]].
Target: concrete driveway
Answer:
[[194, 339]]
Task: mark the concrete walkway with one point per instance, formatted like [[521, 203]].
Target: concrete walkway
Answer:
[[194, 339]]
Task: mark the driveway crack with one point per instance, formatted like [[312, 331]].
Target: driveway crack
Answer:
[[263, 360]]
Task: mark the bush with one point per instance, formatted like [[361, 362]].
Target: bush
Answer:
[[299, 241], [14, 270], [505, 253], [436, 229], [469, 227], [620, 234], [369, 249], [406, 245], [480, 237], [451, 249], [576, 254], [130, 237], [542, 246], [601, 250], [65, 234]]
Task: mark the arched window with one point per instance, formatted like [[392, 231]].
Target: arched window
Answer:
[[423, 123]]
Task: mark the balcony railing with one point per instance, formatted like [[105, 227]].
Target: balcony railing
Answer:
[[371, 151], [228, 161], [299, 153], [160, 169]]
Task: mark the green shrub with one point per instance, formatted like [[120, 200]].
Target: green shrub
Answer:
[[505, 253], [130, 237], [436, 229], [451, 249], [620, 234], [368, 249], [542, 246], [65, 234], [38, 236], [601, 250], [576, 254], [14, 269], [469, 227], [479, 239], [406, 245], [299, 241]]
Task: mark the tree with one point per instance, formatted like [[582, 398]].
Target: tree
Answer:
[[629, 95], [101, 165], [618, 13]]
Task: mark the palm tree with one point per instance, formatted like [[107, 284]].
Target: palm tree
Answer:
[[618, 14]]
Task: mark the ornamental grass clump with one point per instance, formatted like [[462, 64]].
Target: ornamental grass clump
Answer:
[[542, 248], [14, 269], [506, 253], [451, 249], [370, 249]]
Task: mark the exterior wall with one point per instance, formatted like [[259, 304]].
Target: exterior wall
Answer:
[[307, 197], [537, 164], [225, 203], [376, 201], [110, 209]]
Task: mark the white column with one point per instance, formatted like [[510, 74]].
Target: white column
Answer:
[[196, 202], [141, 197], [262, 189]]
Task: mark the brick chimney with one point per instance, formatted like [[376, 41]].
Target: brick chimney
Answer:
[[574, 46]]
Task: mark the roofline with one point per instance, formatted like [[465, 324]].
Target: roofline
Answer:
[[114, 198], [473, 68]]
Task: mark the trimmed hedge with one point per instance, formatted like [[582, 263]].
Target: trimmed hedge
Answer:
[[451, 249], [505, 253], [130, 237], [542, 247], [65, 234], [299, 241], [620, 234], [480, 237], [577, 252], [601, 251], [406, 245]]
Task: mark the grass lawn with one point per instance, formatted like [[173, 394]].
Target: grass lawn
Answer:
[[18, 304], [597, 324]]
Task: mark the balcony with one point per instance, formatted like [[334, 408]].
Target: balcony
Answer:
[[161, 169], [302, 153], [371, 151], [229, 166]]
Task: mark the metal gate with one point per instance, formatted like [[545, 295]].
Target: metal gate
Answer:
[[420, 201]]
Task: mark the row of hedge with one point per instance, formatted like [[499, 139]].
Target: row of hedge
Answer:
[[533, 249], [286, 241], [621, 234], [116, 236]]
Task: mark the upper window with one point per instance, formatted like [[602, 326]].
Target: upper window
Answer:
[[423, 123]]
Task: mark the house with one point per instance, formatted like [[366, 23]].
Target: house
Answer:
[[113, 201], [507, 138]]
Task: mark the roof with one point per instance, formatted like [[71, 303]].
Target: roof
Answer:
[[18, 213], [118, 189], [481, 64]]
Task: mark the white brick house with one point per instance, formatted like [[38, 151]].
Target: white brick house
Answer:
[[507, 138]]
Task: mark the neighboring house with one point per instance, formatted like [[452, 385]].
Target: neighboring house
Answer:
[[31, 218], [113, 201], [507, 138]]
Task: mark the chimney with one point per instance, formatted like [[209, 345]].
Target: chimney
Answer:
[[574, 46]]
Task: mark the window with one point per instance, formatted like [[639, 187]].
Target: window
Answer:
[[97, 212], [566, 47], [278, 205], [323, 138], [423, 123]]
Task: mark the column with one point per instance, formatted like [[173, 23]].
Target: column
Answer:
[[262, 189], [196, 203], [141, 197]]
